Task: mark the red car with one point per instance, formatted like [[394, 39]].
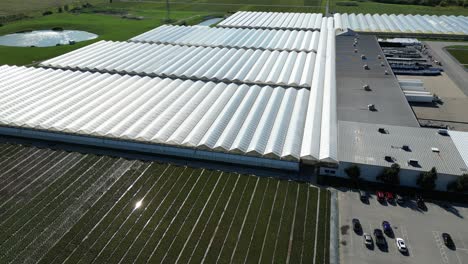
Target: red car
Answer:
[[389, 196], [380, 196]]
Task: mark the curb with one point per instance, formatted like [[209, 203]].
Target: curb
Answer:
[[334, 252]]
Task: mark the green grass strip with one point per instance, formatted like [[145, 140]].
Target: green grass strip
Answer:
[[77, 200], [235, 186], [167, 210], [225, 182], [175, 222], [93, 215], [282, 240], [299, 224], [323, 227], [102, 219], [310, 226], [239, 254], [231, 237], [33, 207], [213, 189], [253, 252], [221, 229], [274, 224], [92, 246]]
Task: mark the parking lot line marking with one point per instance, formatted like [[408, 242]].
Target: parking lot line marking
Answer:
[[351, 241], [458, 258], [404, 234], [439, 244], [461, 239]]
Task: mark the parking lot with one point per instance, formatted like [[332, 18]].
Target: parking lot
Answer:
[[420, 229]]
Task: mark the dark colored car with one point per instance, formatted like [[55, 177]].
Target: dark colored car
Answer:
[[379, 238], [448, 240], [387, 228], [390, 197], [357, 225], [363, 196], [380, 196], [420, 202]]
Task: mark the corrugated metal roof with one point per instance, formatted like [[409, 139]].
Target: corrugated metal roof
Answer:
[[196, 63], [388, 98], [264, 39], [363, 143], [240, 119], [273, 20], [460, 139], [403, 23]]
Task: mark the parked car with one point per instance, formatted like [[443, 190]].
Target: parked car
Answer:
[[379, 238], [380, 196], [401, 245], [420, 203], [363, 196], [390, 197], [448, 240], [368, 241], [387, 228], [400, 199], [356, 225]]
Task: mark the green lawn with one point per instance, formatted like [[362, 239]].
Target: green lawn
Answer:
[[108, 27], [381, 8], [460, 53], [65, 207]]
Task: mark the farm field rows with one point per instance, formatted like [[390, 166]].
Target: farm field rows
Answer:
[[67, 207]]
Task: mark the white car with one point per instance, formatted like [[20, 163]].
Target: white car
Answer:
[[401, 245], [368, 240]]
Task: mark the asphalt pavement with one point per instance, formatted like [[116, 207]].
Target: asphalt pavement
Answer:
[[420, 229], [452, 67]]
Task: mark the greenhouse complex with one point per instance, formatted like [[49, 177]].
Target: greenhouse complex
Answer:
[[260, 89]]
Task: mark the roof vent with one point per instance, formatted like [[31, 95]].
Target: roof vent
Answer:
[[436, 150], [443, 132], [371, 107], [366, 67], [355, 50], [366, 87], [406, 148], [389, 158], [379, 57], [363, 56], [413, 162], [386, 72], [383, 131]]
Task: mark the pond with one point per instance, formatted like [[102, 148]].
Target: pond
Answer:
[[45, 38], [210, 21]]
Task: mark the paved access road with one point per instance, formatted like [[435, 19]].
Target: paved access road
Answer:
[[452, 67], [421, 231]]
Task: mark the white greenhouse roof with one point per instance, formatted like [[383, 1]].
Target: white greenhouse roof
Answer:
[[268, 122], [423, 24], [273, 20], [265, 39], [196, 63]]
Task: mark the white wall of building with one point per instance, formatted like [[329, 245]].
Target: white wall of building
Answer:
[[370, 172]]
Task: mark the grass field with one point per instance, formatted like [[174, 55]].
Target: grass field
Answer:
[[460, 53], [65, 207], [381, 8], [108, 27]]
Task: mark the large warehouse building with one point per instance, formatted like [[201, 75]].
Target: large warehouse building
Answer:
[[261, 89]]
